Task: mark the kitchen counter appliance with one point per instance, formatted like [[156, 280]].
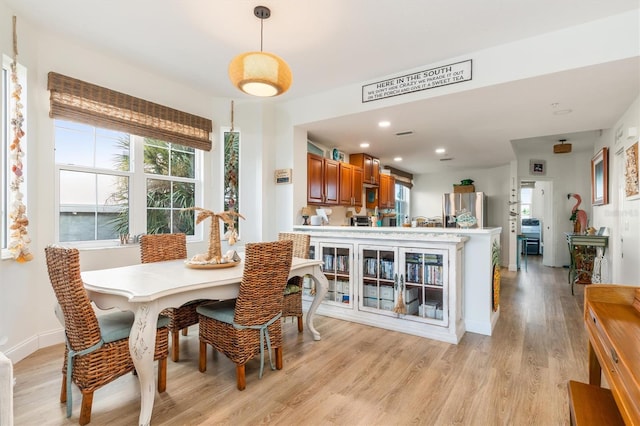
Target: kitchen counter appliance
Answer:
[[360, 221]]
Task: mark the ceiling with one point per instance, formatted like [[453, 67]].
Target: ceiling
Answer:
[[335, 43]]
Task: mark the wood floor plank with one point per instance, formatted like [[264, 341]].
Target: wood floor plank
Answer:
[[360, 375]]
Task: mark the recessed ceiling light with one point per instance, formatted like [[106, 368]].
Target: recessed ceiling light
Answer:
[[364, 145], [397, 159], [440, 151], [384, 124]]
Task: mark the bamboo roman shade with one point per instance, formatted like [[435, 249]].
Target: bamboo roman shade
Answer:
[[402, 178], [87, 103]]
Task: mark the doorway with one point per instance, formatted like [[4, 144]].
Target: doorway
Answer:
[[536, 205]]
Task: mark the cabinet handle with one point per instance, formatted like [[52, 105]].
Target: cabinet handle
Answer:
[[614, 356]]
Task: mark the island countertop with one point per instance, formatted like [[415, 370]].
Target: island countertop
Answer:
[[422, 230]]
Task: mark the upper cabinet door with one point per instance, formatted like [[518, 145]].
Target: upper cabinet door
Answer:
[[315, 184], [346, 184], [331, 182], [356, 192], [375, 171]]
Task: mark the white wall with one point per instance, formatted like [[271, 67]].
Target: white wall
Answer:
[[426, 196], [620, 216], [26, 297]]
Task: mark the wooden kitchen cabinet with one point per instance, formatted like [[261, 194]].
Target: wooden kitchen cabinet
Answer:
[[387, 192], [357, 193], [323, 180], [370, 165], [350, 185], [346, 184]]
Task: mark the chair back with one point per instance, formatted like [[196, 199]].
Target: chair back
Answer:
[[80, 321], [159, 247], [300, 243], [266, 269]]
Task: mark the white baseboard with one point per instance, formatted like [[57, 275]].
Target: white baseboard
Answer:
[[27, 347]]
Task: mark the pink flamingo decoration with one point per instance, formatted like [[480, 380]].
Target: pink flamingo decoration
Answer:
[[579, 216]]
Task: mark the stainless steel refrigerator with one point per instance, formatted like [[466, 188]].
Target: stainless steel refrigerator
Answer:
[[473, 202]]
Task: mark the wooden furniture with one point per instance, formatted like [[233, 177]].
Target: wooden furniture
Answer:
[[323, 180], [97, 348], [146, 289], [408, 284], [292, 303], [478, 289], [583, 249], [159, 247], [241, 329], [387, 192], [612, 318], [350, 188], [370, 166], [591, 405], [331, 182]]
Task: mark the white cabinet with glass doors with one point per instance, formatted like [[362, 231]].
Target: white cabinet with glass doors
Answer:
[[337, 266], [412, 286], [404, 282]]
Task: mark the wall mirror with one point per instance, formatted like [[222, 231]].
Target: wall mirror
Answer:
[[600, 178]]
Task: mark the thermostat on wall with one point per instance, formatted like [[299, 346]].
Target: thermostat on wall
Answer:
[[283, 176]]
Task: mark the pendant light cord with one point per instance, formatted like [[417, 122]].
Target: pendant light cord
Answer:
[[261, 32]]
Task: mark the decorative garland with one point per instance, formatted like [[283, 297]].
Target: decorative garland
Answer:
[[19, 244]]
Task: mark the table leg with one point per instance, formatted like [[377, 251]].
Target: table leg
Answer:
[[142, 348], [322, 286]]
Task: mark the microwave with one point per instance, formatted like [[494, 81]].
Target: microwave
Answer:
[[360, 221]]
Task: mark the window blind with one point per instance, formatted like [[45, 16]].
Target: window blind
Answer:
[[88, 103]]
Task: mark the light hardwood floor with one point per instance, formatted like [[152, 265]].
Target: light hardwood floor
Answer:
[[360, 375]]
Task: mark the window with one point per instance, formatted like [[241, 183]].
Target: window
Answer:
[[526, 198], [112, 183], [402, 203]]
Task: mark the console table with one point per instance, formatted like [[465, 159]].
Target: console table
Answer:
[[583, 249], [612, 320]]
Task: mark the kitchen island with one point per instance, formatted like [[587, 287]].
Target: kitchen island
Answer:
[[445, 277]]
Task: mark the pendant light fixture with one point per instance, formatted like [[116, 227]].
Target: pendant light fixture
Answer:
[[562, 147], [260, 73]]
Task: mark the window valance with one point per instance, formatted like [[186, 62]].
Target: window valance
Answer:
[[87, 103], [402, 178]]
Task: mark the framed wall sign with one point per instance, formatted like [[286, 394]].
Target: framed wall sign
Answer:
[[600, 178], [537, 167]]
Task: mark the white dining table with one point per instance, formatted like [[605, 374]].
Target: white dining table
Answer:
[[146, 289]]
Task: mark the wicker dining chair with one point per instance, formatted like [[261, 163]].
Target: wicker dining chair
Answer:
[[292, 306], [97, 347], [159, 247], [241, 328]]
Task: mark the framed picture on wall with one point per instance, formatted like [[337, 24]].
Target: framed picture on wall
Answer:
[[631, 186], [600, 178], [537, 167]]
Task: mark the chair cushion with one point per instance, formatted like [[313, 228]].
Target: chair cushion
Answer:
[[221, 311], [117, 325], [291, 289]]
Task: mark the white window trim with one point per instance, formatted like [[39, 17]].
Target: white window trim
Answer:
[[137, 191]]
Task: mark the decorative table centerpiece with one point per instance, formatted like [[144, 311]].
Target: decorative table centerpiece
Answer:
[[214, 257]]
